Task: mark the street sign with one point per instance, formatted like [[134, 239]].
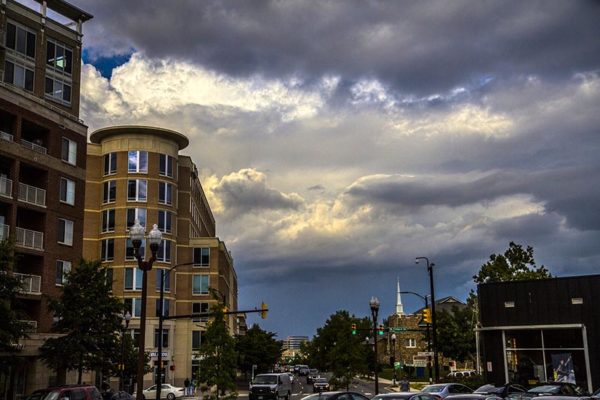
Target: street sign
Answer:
[[425, 353], [398, 329]]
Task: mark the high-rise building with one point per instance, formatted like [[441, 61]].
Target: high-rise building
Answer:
[[138, 173], [42, 167]]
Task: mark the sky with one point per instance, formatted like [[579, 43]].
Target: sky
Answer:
[[338, 140]]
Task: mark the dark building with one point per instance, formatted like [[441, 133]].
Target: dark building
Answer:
[[541, 330]]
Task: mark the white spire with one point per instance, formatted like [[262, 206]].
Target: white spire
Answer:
[[399, 308]]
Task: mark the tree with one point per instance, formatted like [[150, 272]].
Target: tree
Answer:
[[258, 347], [456, 334], [217, 354], [90, 318], [11, 329]]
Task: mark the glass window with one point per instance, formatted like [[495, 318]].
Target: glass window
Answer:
[[136, 190], [110, 163], [165, 193], [110, 192], [198, 308], [137, 161], [65, 232], [164, 221], [200, 284], [201, 256], [20, 39], [133, 279], [56, 89], [166, 304], [62, 269], [18, 75], [167, 280], [107, 252], [523, 339], [166, 165], [165, 338], [136, 213], [130, 251], [196, 339], [69, 151], [67, 191], [164, 251], [59, 56], [108, 221], [134, 306]]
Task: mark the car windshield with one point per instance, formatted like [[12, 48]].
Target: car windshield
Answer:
[[266, 379], [489, 389], [433, 388], [320, 380], [317, 396], [43, 395], [393, 397], [545, 389]]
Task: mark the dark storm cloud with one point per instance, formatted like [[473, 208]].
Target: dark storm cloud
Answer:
[[417, 47]]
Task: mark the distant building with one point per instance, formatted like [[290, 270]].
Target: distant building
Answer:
[[42, 170], [294, 342]]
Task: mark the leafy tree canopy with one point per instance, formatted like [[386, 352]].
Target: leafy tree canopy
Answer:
[[258, 347], [456, 337]]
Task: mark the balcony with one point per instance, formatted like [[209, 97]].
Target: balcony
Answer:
[[31, 325], [5, 187], [6, 136], [30, 284], [35, 147], [29, 239], [4, 231], [32, 195]]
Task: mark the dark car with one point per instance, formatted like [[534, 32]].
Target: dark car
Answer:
[[473, 396], [405, 396], [336, 396], [550, 389], [121, 395], [320, 385], [80, 392], [443, 390], [500, 390], [313, 373]]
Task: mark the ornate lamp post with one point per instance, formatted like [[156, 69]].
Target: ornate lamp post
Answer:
[[136, 234], [433, 318], [394, 357], [374, 304], [126, 318]]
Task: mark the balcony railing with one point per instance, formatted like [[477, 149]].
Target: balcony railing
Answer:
[[4, 231], [5, 186], [32, 195], [33, 146], [30, 284], [6, 136], [29, 239], [31, 326]]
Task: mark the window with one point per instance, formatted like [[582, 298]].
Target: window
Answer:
[[59, 56], [133, 279], [18, 75], [201, 256], [110, 192], [136, 213], [164, 221], [200, 284], [109, 277], [136, 190], [196, 339], [67, 191], [411, 343], [137, 161], [165, 338], [164, 251], [165, 165], [198, 308], [57, 89], [130, 251], [134, 306], [110, 163], [108, 221], [19, 65], [165, 193], [166, 304], [107, 252], [62, 269], [65, 232], [69, 151], [167, 280], [20, 39]]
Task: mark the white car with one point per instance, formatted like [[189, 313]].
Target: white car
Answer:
[[167, 391]]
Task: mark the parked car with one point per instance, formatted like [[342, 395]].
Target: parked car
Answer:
[[442, 390], [312, 374], [500, 390], [339, 395], [303, 370], [292, 377], [320, 384], [270, 386], [121, 395], [167, 391], [405, 396], [82, 392], [461, 374], [551, 389], [473, 396]]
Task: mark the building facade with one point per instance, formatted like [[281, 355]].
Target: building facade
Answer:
[[138, 173], [42, 168]]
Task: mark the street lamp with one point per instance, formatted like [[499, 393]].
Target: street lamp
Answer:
[[433, 318], [136, 234], [374, 304], [428, 335], [394, 357], [127, 318]]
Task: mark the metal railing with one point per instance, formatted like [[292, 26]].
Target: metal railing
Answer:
[[31, 194], [30, 284], [33, 146], [6, 136], [5, 186], [30, 239], [32, 325], [4, 231]]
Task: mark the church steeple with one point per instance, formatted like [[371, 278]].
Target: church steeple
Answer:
[[399, 307]]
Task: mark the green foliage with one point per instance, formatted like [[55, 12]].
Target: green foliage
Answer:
[[11, 329], [217, 354], [456, 335], [90, 318], [258, 347]]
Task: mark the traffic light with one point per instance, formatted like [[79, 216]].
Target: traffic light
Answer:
[[263, 310], [354, 329], [381, 329], [427, 315]]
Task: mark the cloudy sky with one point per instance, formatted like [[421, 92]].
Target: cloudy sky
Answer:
[[339, 140]]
